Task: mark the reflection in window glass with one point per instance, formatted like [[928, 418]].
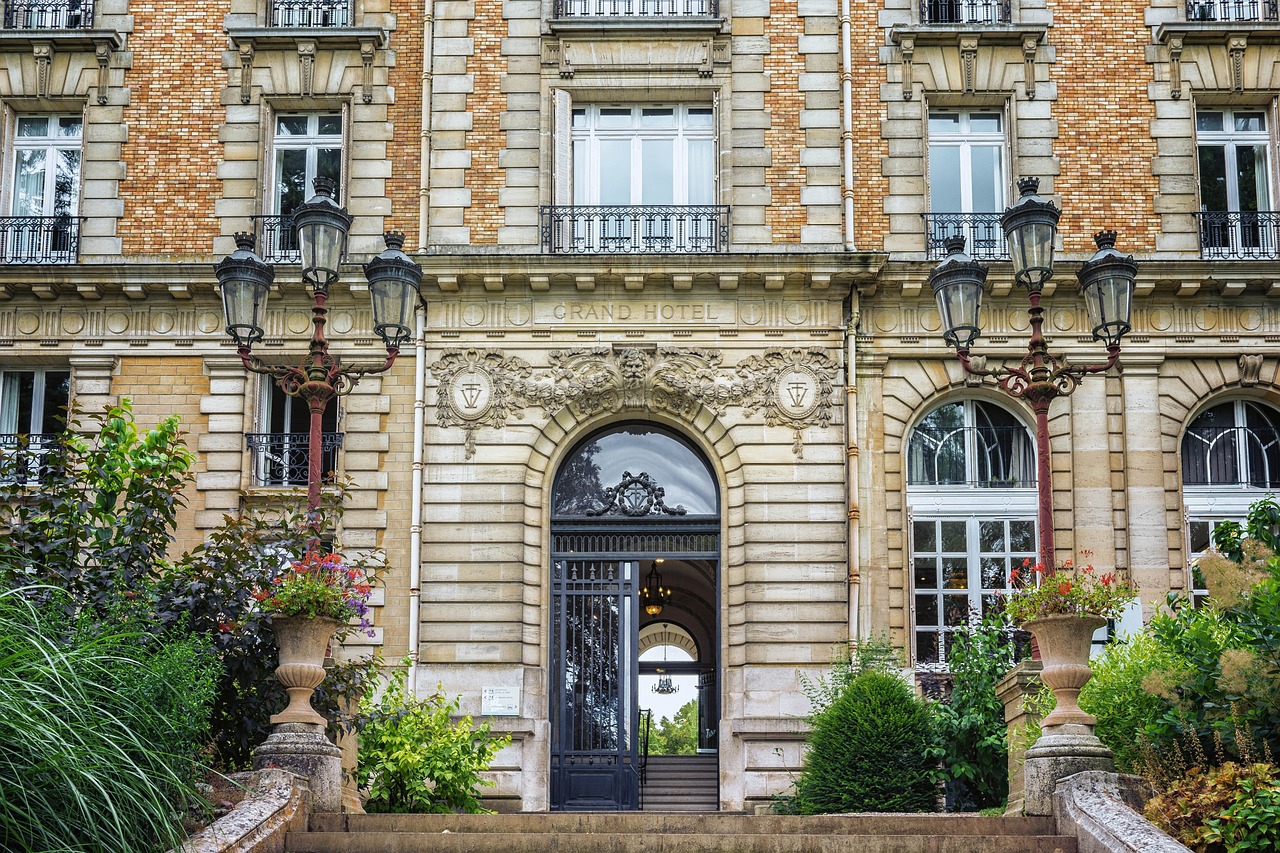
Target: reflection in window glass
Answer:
[[602, 461]]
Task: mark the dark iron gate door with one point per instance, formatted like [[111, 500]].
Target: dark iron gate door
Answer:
[[594, 758]]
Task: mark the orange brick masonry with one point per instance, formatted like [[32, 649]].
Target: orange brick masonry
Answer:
[[783, 138], [405, 149], [486, 104], [870, 187]]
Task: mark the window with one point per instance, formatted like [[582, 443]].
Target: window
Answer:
[[44, 198], [967, 180], [1235, 191], [643, 179], [1230, 459], [971, 487], [48, 14], [281, 453], [1231, 10], [636, 8], [33, 406], [965, 11], [304, 146], [309, 13]]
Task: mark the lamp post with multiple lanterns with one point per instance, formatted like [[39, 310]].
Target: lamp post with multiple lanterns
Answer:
[[321, 227], [1106, 285]]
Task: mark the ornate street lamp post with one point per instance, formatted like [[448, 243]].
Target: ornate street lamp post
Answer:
[[1106, 284], [245, 281]]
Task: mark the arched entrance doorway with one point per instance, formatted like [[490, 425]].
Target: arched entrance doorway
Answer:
[[632, 504]]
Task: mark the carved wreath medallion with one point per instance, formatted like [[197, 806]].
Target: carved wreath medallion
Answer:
[[793, 388]]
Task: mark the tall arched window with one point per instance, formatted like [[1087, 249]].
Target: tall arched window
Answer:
[[1230, 458], [971, 494]]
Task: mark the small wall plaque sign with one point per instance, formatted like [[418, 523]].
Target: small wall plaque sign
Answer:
[[500, 701]]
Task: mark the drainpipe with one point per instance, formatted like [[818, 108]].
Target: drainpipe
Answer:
[[851, 440], [424, 182], [846, 130], [415, 495]]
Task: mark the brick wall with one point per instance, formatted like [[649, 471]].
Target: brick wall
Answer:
[[486, 104], [405, 115]]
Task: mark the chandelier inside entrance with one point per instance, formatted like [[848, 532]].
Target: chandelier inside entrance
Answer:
[[654, 596], [665, 686]]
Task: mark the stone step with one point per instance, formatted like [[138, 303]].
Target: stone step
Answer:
[[650, 842], [722, 823]]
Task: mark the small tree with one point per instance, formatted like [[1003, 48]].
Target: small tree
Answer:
[[869, 751], [678, 735]]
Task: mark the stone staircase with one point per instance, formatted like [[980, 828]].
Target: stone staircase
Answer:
[[681, 783], [652, 832]]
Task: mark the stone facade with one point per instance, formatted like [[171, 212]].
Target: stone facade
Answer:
[[456, 127]]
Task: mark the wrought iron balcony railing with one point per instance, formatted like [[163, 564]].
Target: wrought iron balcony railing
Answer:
[[1239, 235], [1232, 10], [1231, 456], [984, 239], [25, 458], [636, 9], [309, 13], [634, 229], [281, 458], [276, 241], [965, 11], [48, 14], [39, 239]]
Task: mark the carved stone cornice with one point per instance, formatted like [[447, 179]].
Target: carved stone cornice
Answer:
[[792, 388], [288, 38]]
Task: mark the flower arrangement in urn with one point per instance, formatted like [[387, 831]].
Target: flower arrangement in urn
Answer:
[[1069, 591], [321, 586]]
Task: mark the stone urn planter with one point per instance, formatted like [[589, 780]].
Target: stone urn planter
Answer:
[[1064, 641], [302, 642]]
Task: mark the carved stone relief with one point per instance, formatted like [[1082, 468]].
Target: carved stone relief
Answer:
[[793, 388]]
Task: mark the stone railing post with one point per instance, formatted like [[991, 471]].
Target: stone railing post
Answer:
[[1017, 685]]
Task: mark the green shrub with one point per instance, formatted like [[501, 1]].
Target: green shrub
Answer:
[[415, 759], [873, 654], [1230, 808], [100, 726], [971, 732], [869, 751], [677, 735]]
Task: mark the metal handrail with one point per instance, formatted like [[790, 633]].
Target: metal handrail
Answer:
[[634, 229], [48, 14], [276, 240], [965, 11], [309, 13], [1232, 10], [23, 457], [1239, 235], [39, 239], [282, 458], [984, 238], [615, 9]]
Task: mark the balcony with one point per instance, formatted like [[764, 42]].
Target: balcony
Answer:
[[281, 458], [1231, 456], [276, 240], [309, 13], [973, 12], [39, 239], [634, 229], [1239, 235], [632, 9], [48, 14], [984, 239], [25, 458], [1232, 10]]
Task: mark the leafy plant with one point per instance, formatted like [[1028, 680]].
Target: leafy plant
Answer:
[[971, 733], [869, 751], [1070, 590], [100, 730], [415, 759], [873, 654], [320, 586], [1228, 808]]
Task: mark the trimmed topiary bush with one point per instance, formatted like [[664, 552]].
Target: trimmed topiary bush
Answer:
[[869, 751]]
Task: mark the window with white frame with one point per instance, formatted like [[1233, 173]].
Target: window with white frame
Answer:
[[1234, 153], [971, 491], [44, 190], [1230, 460], [967, 178], [643, 155], [281, 451], [305, 146], [33, 409]]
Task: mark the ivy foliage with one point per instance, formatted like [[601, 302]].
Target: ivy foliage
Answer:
[[414, 758]]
